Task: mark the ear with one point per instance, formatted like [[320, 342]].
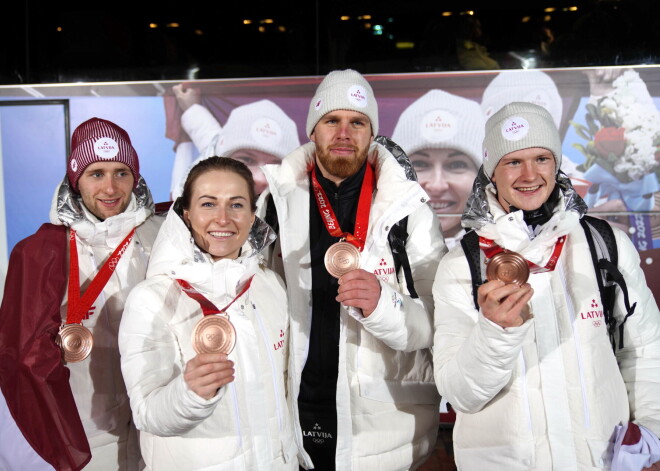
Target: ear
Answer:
[[186, 218], [312, 137]]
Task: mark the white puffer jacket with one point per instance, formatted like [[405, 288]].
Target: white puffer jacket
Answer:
[[387, 405], [546, 395], [247, 424]]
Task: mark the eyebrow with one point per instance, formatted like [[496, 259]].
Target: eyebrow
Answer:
[[456, 153], [215, 198]]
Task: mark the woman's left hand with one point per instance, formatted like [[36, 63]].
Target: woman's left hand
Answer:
[[208, 372]]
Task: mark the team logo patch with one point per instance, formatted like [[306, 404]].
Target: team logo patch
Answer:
[[592, 312], [266, 132], [439, 126], [515, 128], [357, 96], [106, 148]]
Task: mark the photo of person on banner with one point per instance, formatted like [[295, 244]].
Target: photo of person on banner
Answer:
[[442, 134], [617, 133], [256, 134]]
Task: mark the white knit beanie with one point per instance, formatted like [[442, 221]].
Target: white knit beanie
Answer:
[[532, 86], [343, 90], [262, 126], [518, 126], [440, 120]]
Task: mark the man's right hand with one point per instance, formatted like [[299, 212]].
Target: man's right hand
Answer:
[[186, 97], [505, 304], [208, 372]]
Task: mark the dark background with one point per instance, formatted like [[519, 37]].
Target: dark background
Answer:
[[73, 41]]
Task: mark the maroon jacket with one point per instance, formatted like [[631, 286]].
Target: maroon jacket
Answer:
[[33, 378]]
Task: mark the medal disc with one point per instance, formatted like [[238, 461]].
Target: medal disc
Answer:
[[214, 334], [75, 341], [508, 267], [342, 257]]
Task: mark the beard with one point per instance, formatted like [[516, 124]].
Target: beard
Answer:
[[342, 167]]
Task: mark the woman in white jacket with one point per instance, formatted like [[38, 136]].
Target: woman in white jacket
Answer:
[[211, 411]]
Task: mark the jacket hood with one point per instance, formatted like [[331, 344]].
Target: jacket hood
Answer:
[[176, 255], [67, 209], [478, 211]]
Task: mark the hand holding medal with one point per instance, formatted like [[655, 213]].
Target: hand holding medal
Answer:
[[358, 288], [503, 299]]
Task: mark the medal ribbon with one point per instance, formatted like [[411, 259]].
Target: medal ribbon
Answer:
[[363, 209], [490, 249], [207, 306], [78, 308]]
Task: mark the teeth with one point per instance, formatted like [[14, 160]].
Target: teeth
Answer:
[[221, 234], [109, 201], [441, 205], [529, 188]]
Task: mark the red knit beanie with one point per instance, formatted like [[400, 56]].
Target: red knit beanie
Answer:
[[98, 140]]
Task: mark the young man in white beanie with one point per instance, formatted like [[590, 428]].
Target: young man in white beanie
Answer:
[[360, 367], [531, 372], [259, 133], [442, 135], [66, 404]]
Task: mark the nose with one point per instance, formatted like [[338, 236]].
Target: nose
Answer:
[[343, 130], [109, 185], [259, 181], [437, 181], [221, 215], [528, 170]]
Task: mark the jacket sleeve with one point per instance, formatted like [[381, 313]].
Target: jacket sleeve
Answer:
[[400, 321], [152, 366], [473, 358], [639, 361], [200, 125]]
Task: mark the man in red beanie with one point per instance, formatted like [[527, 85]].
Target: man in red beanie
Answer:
[[64, 295]]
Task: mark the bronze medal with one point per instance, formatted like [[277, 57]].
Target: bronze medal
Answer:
[[214, 334], [75, 341], [508, 267], [342, 257]]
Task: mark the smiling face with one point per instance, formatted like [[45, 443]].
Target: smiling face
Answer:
[[525, 178], [447, 176], [342, 141], [106, 188], [255, 159], [219, 214]]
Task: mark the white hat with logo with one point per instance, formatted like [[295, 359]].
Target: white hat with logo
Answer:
[[440, 120], [262, 126], [343, 90], [532, 86], [517, 126]]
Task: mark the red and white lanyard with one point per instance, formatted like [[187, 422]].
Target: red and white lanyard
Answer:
[[77, 308], [490, 249], [362, 217], [208, 308]]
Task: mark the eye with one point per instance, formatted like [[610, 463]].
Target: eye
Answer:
[[358, 123], [542, 158], [457, 165], [237, 205], [420, 164], [207, 204]]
